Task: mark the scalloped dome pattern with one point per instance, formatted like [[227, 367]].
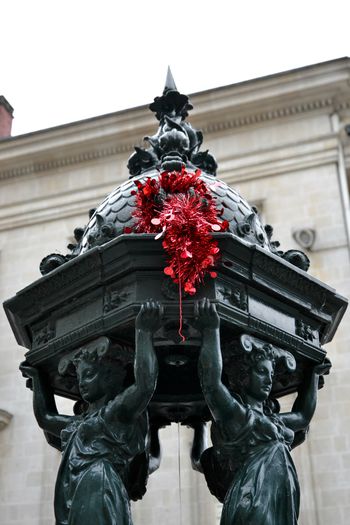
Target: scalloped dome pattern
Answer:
[[118, 207]]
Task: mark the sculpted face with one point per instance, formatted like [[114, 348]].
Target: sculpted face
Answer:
[[97, 380], [91, 381], [260, 380]]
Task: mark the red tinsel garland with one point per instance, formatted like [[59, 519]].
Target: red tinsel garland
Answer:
[[179, 207]]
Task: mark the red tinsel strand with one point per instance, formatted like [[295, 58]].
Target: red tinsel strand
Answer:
[[183, 338], [192, 252], [180, 208], [146, 206]]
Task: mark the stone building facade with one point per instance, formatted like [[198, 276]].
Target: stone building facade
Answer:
[[282, 142]]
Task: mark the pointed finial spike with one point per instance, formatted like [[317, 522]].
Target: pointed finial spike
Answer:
[[169, 82]]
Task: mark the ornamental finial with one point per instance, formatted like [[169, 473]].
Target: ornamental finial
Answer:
[[176, 144], [169, 82], [171, 104]]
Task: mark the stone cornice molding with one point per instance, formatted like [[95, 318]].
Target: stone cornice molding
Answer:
[[320, 88], [233, 169], [269, 115], [321, 81], [65, 161], [74, 143], [99, 151]]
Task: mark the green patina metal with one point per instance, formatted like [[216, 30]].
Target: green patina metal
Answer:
[[255, 332]]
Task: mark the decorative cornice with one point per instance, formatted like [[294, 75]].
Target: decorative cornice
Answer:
[[342, 104], [71, 160], [233, 169], [265, 116], [88, 156], [322, 87]]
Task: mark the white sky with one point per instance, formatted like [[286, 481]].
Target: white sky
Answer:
[[65, 60]]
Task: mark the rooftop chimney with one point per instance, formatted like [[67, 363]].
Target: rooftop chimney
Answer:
[[6, 116]]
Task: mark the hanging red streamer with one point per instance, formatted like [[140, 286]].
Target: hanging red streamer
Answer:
[[179, 207]]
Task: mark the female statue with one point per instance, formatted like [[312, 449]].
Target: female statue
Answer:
[[249, 438], [99, 445]]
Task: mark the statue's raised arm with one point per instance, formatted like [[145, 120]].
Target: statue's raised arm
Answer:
[[305, 404], [135, 399], [224, 408], [44, 405]]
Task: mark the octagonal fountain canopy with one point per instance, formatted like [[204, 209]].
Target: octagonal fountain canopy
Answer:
[[175, 145], [96, 290]]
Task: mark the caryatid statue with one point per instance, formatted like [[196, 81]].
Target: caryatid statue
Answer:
[[250, 459], [100, 444]]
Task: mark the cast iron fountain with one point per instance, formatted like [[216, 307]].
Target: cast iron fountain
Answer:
[[253, 300]]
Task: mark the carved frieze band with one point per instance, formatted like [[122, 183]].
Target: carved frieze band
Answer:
[[95, 328], [285, 340], [234, 295], [264, 116], [290, 277], [114, 298], [44, 289], [86, 156], [170, 290], [43, 336], [304, 330]]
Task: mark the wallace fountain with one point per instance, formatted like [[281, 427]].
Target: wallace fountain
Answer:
[[175, 304]]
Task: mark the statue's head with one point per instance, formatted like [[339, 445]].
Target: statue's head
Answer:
[[254, 365], [100, 369], [259, 369]]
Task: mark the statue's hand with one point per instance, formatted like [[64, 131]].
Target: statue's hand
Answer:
[[149, 318], [206, 315], [323, 368], [28, 371]]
